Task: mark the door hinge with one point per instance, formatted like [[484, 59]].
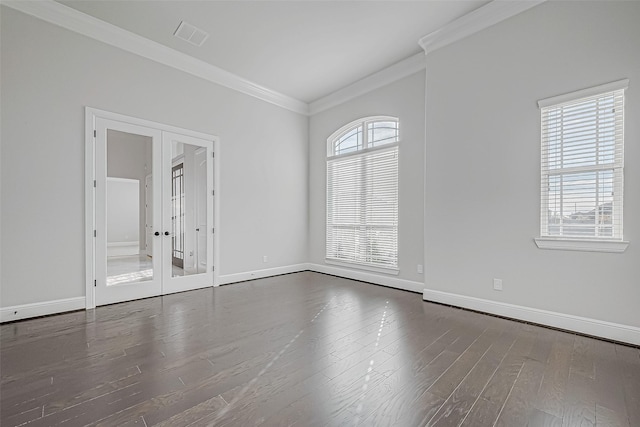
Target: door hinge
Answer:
[[213, 154], [213, 268], [213, 192], [213, 230], [95, 283], [94, 183], [95, 233], [95, 133]]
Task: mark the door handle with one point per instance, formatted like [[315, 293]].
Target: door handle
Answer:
[[166, 233], [157, 233]]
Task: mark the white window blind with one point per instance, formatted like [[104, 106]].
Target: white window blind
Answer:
[[362, 194], [582, 166]]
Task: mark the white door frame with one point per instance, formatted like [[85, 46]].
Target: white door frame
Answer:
[[91, 114]]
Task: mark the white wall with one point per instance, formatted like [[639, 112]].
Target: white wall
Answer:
[[123, 210], [49, 75], [123, 216], [483, 159], [405, 100]]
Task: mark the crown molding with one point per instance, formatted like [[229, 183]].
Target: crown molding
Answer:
[[71, 19], [477, 20], [395, 72]]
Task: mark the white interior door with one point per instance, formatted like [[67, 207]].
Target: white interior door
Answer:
[[127, 263], [187, 212]]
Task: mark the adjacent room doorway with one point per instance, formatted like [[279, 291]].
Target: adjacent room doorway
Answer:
[[150, 207]]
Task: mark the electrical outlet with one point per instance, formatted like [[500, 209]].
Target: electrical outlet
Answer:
[[420, 270], [265, 259], [497, 284]]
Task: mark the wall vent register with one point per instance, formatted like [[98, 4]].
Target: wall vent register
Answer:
[[191, 34]]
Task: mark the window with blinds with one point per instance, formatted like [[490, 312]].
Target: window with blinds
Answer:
[[582, 164], [362, 193]]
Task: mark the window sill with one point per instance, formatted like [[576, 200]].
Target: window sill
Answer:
[[614, 246], [384, 270]]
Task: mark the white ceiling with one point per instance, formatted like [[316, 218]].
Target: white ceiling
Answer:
[[303, 49]]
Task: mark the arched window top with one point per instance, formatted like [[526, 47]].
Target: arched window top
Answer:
[[364, 134]]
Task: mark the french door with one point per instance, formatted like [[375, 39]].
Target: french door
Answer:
[[153, 212], [187, 212]]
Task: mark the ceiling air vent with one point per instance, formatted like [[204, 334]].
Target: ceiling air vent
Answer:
[[191, 34]]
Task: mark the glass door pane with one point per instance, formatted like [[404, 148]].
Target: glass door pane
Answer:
[[128, 164], [201, 210], [188, 206]]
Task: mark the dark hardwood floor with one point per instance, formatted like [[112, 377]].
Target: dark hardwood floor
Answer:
[[308, 349]]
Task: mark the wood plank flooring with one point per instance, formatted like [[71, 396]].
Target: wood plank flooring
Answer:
[[308, 349]]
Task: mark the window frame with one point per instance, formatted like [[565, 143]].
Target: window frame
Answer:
[[366, 149], [614, 243], [353, 125]]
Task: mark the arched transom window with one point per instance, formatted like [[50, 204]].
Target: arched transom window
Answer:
[[363, 134], [362, 194]]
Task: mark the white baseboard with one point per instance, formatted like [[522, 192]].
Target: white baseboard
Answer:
[[594, 327], [123, 248], [378, 279], [26, 311], [259, 274]]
